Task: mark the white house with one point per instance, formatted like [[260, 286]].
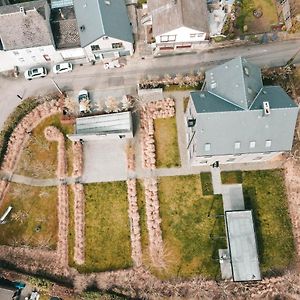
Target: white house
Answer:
[[178, 23], [235, 118], [104, 28], [25, 35]]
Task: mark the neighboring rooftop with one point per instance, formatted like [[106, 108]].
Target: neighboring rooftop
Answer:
[[61, 3], [64, 27], [25, 25], [242, 246], [168, 15], [98, 18]]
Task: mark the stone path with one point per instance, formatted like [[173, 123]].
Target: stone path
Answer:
[[35, 181]]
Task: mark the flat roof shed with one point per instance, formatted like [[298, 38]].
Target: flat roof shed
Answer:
[[242, 245], [107, 126]]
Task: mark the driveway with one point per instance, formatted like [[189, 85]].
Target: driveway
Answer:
[[104, 161]]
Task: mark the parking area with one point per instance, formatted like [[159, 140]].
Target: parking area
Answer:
[[105, 161], [98, 97]]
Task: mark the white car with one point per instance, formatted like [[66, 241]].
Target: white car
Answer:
[[84, 101], [62, 68], [35, 73], [112, 64]]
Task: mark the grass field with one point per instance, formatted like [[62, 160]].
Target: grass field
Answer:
[[71, 232], [264, 193], [257, 25], [166, 143], [186, 227], [39, 157], [232, 177], [107, 227], [206, 183], [33, 219]]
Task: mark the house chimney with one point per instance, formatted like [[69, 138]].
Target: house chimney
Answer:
[[22, 10], [266, 107]]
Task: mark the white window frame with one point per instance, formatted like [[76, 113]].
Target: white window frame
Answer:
[[164, 38], [268, 143], [237, 145], [207, 147], [252, 144], [192, 35], [172, 38]]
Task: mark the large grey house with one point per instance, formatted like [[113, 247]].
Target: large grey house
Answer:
[[235, 118]]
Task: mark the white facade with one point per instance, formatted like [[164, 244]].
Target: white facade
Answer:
[[108, 48], [180, 37], [231, 159], [74, 53], [29, 57]]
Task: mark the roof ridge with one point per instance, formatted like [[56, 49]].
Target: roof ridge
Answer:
[[260, 91], [244, 82], [100, 13], [228, 101]]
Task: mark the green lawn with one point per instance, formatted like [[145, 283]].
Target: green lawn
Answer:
[[257, 25], [166, 143], [39, 157], [206, 184], [107, 227], [264, 193], [33, 219], [186, 228], [232, 177]]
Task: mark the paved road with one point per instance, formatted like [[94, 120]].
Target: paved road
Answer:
[[96, 78]]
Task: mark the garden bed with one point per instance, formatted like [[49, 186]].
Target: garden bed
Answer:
[[33, 219], [166, 143], [107, 243]]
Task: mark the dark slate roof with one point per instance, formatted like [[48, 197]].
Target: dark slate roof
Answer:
[[64, 27], [275, 95], [237, 80], [206, 102], [222, 122], [98, 18], [168, 15], [20, 30]]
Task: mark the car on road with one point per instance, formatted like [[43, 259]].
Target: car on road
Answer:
[[84, 101], [35, 73], [62, 68], [112, 64]]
